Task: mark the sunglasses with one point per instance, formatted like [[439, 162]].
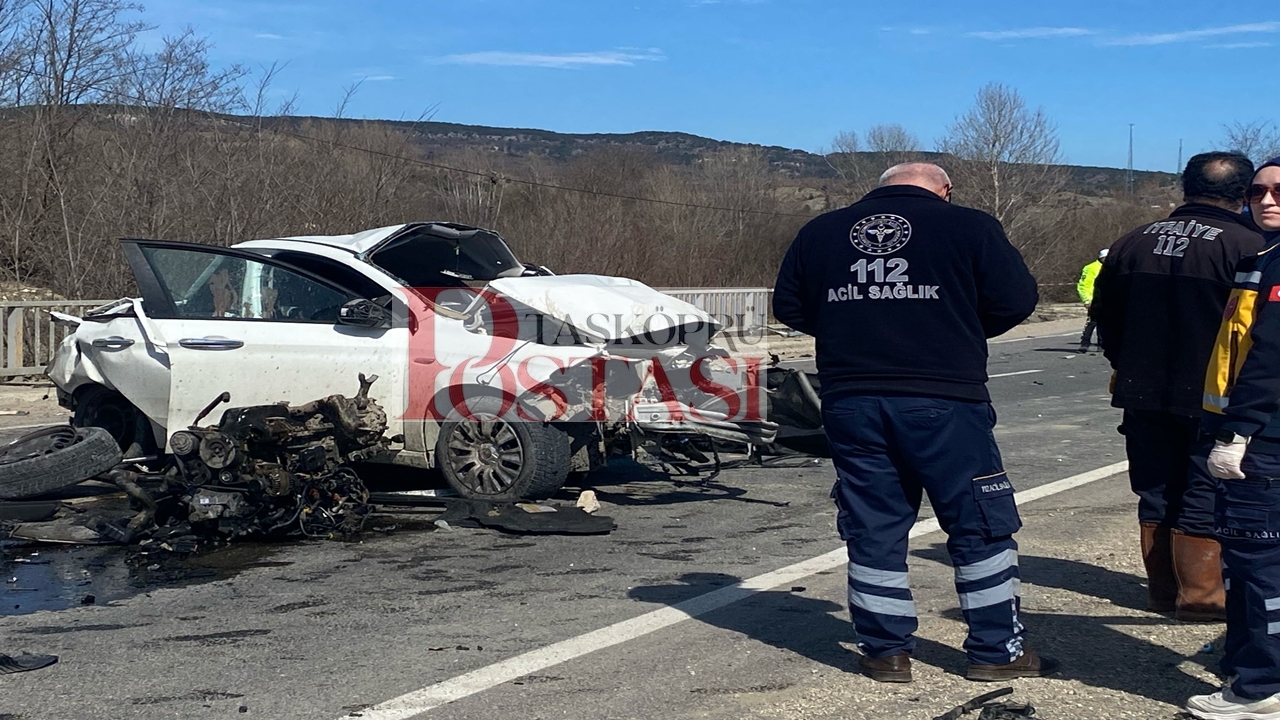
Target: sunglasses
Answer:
[[1255, 193]]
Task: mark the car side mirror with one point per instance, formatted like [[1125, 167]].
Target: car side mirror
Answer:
[[364, 313]]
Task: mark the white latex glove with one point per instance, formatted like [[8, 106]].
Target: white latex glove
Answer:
[[1225, 458]]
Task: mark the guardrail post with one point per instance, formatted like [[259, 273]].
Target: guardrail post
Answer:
[[13, 332]]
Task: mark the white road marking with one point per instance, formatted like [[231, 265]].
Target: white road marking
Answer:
[[1011, 374], [1031, 337], [60, 421], [989, 342], [490, 676]]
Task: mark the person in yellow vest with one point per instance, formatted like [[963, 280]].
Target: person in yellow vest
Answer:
[[1084, 288]]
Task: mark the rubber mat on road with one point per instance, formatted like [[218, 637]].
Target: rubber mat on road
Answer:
[[558, 520], [25, 662]]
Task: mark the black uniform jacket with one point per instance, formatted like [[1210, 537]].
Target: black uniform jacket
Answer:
[[1160, 299], [901, 291]]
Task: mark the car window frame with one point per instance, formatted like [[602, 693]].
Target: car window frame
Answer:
[[159, 306]]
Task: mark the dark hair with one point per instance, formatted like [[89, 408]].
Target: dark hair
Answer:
[[1217, 176]]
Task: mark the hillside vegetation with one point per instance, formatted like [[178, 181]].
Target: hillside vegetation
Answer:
[[102, 137]]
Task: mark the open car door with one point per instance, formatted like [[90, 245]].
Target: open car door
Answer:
[[265, 332]]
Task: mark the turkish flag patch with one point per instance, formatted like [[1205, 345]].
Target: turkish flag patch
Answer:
[[1274, 295]]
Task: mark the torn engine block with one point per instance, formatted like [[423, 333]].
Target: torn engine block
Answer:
[[263, 471]]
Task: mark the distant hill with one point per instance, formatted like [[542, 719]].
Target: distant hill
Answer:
[[683, 148], [672, 147]]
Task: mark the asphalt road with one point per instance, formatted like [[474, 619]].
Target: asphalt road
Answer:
[[320, 630]]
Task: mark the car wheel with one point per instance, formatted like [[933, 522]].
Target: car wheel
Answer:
[[98, 406], [490, 457], [53, 458]]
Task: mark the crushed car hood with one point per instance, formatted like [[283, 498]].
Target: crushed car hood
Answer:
[[609, 309]]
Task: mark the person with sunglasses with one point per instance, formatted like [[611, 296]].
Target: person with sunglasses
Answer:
[[1242, 400], [1158, 301]]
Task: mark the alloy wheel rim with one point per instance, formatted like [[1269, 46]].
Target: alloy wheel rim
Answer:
[[486, 454]]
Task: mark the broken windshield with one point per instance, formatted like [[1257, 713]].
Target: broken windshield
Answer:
[[446, 255]]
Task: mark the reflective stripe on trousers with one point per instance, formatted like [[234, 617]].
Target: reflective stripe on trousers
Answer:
[[880, 591]]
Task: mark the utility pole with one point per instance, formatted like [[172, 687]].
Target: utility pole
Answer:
[[1128, 176], [1179, 168]]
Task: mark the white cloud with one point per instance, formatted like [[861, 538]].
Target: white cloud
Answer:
[[1031, 32], [1200, 34], [554, 60], [1239, 46], [269, 36], [379, 78]]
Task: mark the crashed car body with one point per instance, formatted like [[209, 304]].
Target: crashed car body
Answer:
[[503, 375]]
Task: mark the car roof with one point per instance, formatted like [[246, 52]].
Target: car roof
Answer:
[[365, 241], [357, 243]]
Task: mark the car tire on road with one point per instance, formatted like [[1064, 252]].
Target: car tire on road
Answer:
[[53, 458], [492, 458]]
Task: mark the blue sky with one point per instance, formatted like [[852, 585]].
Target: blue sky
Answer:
[[776, 72]]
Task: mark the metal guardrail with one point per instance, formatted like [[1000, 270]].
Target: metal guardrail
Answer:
[[30, 336], [740, 310]]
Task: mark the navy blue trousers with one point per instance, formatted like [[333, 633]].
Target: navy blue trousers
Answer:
[[888, 451], [1247, 523], [1167, 471]]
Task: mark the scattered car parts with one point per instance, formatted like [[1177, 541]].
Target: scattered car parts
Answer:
[[266, 471], [986, 709]]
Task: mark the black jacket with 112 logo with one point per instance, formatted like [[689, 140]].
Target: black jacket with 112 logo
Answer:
[[1159, 300], [901, 291]]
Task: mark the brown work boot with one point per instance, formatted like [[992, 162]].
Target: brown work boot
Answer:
[[1157, 556], [889, 669], [1197, 564], [1029, 664]]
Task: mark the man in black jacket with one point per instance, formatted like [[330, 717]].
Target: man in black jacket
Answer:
[[1158, 301], [901, 291]]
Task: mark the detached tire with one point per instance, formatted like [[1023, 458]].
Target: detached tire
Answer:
[[493, 458], [54, 458]]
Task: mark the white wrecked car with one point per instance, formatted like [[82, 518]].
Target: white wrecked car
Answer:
[[504, 376]]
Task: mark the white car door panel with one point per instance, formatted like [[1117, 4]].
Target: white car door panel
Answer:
[[120, 354], [261, 331]]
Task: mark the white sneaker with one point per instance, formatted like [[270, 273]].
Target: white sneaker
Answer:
[[1225, 705]]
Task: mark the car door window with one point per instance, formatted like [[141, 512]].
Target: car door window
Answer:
[[207, 284]]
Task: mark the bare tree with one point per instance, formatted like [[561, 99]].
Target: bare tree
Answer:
[[843, 156], [891, 139], [1007, 160], [179, 77], [78, 49], [1258, 140], [73, 53], [11, 48], [892, 144], [860, 164]]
